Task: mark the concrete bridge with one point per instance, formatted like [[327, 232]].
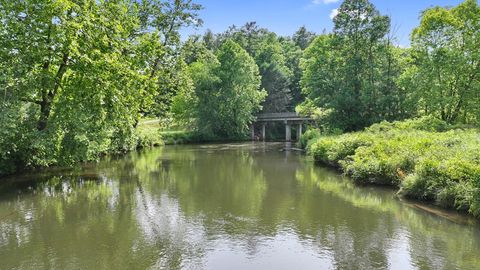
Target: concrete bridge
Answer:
[[288, 118]]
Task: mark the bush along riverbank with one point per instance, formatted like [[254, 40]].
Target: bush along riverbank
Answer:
[[152, 135], [45, 152], [425, 158], [149, 136]]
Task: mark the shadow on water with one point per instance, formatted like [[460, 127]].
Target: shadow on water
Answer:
[[239, 205]]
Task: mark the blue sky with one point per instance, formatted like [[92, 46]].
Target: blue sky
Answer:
[[284, 17]]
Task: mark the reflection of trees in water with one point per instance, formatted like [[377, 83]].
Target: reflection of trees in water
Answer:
[[98, 224], [174, 240], [211, 184], [244, 197], [167, 208], [68, 219], [431, 242]]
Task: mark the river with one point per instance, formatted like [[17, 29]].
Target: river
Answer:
[[221, 206]]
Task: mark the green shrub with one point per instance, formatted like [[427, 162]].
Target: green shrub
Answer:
[[179, 137], [333, 149], [425, 123], [149, 137], [309, 136], [449, 174], [389, 157], [425, 157]]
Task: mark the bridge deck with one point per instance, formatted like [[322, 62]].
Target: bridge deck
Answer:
[[287, 116]]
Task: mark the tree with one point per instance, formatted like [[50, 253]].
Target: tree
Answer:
[[210, 40], [350, 75], [321, 79], [360, 31], [226, 93], [445, 75], [71, 75], [293, 49], [293, 54], [302, 38], [195, 49], [265, 47], [275, 75], [163, 20], [76, 74]]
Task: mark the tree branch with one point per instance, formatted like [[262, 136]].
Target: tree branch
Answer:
[[30, 100]]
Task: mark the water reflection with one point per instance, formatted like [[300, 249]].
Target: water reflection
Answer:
[[235, 206]]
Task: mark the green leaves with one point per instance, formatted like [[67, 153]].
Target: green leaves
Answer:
[[276, 57], [446, 72], [226, 93], [352, 73], [78, 74]]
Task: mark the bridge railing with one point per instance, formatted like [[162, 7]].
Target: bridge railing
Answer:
[[282, 115]]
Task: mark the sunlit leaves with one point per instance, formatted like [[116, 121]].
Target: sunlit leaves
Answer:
[[445, 74], [226, 93], [351, 74], [77, 75]]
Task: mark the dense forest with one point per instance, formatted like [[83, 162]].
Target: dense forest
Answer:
[[78, 77]]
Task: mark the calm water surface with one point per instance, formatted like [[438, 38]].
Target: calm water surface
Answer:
[[230, 206]]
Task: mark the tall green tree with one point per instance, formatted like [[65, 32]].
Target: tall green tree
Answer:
[[445, 72], [210, 40], [249, 36], [163, 20], [293, 49], [293, 53], [71, 76], [359, 31], [266, 48], [321, 79], [350, 75], [226, 93], [75, 75], [302, 37], [275, 75]]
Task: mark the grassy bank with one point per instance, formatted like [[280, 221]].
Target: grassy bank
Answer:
[[150, 134], [426, 158]]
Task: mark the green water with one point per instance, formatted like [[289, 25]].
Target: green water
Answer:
[[229, 206]]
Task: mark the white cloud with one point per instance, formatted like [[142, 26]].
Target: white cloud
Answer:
[[326, 2], [403, 46], [333, 13]]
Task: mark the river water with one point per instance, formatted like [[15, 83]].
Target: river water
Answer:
[[223, 206]]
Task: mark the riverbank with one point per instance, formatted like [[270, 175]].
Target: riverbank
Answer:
[[425, 158], [151, 135], [148, 134], [37, 150]]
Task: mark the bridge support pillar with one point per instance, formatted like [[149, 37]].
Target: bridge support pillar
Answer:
[[288, 132], [252, 132], [263, 131], [299, 131]]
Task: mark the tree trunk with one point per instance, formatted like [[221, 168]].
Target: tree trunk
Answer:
[[45, 107], [48, 96]]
